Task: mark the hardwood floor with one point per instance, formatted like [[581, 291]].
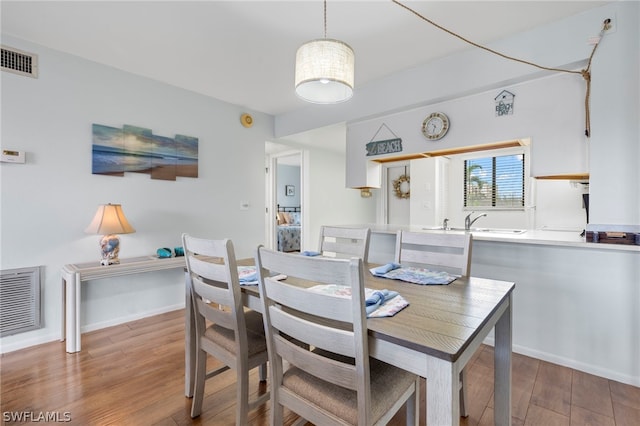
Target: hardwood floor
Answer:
[[133, 374]]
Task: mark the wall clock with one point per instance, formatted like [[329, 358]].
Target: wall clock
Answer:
[[435, 126]]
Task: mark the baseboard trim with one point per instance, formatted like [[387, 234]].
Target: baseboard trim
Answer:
[[572, 363], [39, 340], [128, 318]]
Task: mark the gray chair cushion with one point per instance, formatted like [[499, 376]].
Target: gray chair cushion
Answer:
[[387, 385], [255, 334]]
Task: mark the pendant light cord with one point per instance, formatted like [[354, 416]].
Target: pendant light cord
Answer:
[[325, 18], [586, 73]]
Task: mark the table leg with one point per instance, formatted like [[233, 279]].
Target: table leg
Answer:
[[502, 368], [443, 395], [63, 313], [189, 341], [72, 312]]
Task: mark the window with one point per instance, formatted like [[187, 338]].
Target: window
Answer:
[[494, 182]]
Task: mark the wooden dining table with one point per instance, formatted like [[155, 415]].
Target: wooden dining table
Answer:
[[433, 337]]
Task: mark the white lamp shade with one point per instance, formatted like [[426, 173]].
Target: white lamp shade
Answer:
[[109, 219], [325, 71]]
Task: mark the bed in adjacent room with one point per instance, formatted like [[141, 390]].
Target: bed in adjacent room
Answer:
[[288, 231]]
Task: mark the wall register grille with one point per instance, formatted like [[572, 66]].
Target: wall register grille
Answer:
[[20, 308], [19, 62]]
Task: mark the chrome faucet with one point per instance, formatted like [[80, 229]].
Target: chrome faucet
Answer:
[[468, 222], [445, 224]]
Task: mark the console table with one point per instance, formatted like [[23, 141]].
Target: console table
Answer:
[[74, 274]]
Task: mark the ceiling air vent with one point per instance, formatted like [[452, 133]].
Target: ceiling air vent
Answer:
[[19, 62]]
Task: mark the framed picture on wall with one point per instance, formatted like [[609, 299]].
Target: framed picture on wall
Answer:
[[289, 190]]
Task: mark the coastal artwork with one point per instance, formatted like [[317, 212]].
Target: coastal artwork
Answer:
[[136, 149]]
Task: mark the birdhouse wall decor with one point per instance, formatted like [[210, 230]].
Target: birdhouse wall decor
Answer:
[[504, 103]]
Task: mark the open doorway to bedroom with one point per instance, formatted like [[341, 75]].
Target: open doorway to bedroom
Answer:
[[284, 209]]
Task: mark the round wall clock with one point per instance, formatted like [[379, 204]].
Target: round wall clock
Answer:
[[435, 126]]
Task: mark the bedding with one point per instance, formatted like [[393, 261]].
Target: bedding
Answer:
[[288, 231], [289, 238]]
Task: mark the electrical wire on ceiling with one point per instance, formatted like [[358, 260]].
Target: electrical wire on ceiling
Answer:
[[586, 72]]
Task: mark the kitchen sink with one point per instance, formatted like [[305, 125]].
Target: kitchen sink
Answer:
[[472, 230], [499, 230]]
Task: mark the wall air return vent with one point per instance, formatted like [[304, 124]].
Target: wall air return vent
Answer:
[[19, 62], [20, 308]]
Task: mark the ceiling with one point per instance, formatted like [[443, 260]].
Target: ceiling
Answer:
[[243, 52]]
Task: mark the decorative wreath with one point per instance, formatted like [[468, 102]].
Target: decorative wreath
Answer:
[[397, 187]]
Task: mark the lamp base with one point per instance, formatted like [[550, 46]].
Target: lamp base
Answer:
[[110, 248]]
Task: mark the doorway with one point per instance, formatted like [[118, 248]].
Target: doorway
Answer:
[[396, 200], [285, 200]]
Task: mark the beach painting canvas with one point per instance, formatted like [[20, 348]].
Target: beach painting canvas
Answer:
[[108, 145], [138, 150]]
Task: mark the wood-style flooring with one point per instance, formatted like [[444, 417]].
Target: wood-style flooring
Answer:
[[133, 374]]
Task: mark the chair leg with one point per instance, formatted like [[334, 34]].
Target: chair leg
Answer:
[[413, 406], [463, 393], [262, 372], [276, 412], [201, 376], [242, 397]]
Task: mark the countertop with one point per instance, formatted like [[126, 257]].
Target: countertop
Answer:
[[535, 236]]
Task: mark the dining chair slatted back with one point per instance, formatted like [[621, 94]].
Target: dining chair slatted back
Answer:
[[318, 345], [447, 251], [343, 242], [450, 252], [224, 329]]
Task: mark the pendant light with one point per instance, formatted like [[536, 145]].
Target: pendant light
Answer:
[[325, 70]]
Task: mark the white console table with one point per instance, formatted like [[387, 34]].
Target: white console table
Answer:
[[74, 274]]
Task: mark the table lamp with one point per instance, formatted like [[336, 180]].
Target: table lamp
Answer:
[[109, 221]]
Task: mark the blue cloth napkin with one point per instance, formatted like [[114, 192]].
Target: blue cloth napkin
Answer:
[[381, 270], [378, 303], [311, 253], [247, 275], [377, 298]]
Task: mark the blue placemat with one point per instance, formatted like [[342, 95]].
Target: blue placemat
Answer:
[[413, 274]]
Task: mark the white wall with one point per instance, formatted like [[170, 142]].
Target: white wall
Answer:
[[549, 132], [288, 175], [48, 202], [332, 203], [573, 306], [548, 110], [615, 104], [614, 185]]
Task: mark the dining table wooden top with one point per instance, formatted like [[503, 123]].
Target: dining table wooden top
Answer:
[[440, 320]]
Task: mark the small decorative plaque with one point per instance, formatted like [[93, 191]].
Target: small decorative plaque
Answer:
[[387, 146]]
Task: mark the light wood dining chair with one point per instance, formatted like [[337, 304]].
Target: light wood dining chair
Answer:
[[224, 329], [335, 382], [343, 242], [449, 252]]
